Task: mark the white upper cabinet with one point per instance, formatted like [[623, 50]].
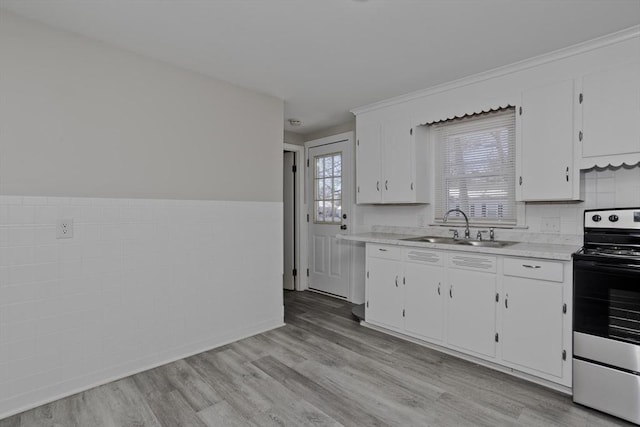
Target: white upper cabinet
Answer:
[[368, 167], [610, 121], [391, 163], [545, 155]]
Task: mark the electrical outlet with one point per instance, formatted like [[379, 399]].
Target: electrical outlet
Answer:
[[64, 229], [550, 225]]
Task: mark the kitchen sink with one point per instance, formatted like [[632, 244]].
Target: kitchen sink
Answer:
[[432, 239], [468, 242], [486, 243]]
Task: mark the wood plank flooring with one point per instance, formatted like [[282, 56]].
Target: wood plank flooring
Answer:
[[321, 369]]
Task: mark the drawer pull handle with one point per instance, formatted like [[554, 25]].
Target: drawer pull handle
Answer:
[[396, 281], [382, 250], [530, 266], [438, 288]]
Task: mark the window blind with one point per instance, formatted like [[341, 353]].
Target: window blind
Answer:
[[475, 168]]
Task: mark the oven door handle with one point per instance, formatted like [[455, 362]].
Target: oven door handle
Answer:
[[597, 266]]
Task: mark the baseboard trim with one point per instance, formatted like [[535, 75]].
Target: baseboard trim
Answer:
[[246, 333]]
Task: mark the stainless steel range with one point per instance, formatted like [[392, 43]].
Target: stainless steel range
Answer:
[[606, 313]]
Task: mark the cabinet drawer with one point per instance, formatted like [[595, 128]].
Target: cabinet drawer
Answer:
[[384, 251], [473, 262], [424, 257], [534, 269]]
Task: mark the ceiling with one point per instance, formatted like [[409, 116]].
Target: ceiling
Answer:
[[324, 57]]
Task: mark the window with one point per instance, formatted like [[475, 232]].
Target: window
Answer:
[[475, 167], [328, 188]]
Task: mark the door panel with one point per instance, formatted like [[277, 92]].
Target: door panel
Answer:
[[397, 170], [424, 289], [532, 324], [368, 156], [329, 194], [384, 293], [547, 142], [471, 313]]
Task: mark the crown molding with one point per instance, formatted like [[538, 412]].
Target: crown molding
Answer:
[[583, 47]]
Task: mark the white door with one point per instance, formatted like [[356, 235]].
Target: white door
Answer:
[[330, 197]]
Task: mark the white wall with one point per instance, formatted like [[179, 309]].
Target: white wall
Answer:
[[122, 145], [80, 118]]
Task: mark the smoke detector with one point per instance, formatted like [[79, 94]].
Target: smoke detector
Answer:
[[295, 122]]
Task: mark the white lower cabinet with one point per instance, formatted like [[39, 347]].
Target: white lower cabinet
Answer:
[[534, 314], [471, 314], [383, 291], [509, 311], [424, 294]]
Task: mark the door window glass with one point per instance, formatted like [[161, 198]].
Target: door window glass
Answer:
[[328, 188]]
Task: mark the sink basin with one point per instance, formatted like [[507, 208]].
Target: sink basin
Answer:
[[485, 243], [432, 239], [452, 241]]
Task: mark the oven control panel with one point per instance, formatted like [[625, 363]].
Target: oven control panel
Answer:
[[628, 218]]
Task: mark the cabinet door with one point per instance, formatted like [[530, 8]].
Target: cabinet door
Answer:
[[546, 152], [397, 159], [368, 188], [471, 311], [384, 293], [611, 111], [532, 324], [424, 302]]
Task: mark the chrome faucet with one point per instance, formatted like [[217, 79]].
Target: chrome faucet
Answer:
[[467, 232]]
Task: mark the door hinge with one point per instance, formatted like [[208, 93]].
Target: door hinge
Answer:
[[564, 354], [412, 186], [580, 136], [404, 280], [520, 180], [580, 98], [497, 337], [307, 217], [367, 303], [520, 110], [403, 312], [307, 272], [307, 162], [357, 142], [411, 131], [497, 297], [295, 272], [358, 188], [367, 274], [294, 168], [564, 308]]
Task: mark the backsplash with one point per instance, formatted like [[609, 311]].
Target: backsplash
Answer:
[[141, 283], [605, 188]]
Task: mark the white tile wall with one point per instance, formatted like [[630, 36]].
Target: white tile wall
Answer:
[[142, 282]]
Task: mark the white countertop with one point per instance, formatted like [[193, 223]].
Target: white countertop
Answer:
[[553, 251]]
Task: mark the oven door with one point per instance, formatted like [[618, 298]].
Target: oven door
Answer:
[[607, 299]]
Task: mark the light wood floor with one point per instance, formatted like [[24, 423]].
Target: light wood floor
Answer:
[[324, 369]]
